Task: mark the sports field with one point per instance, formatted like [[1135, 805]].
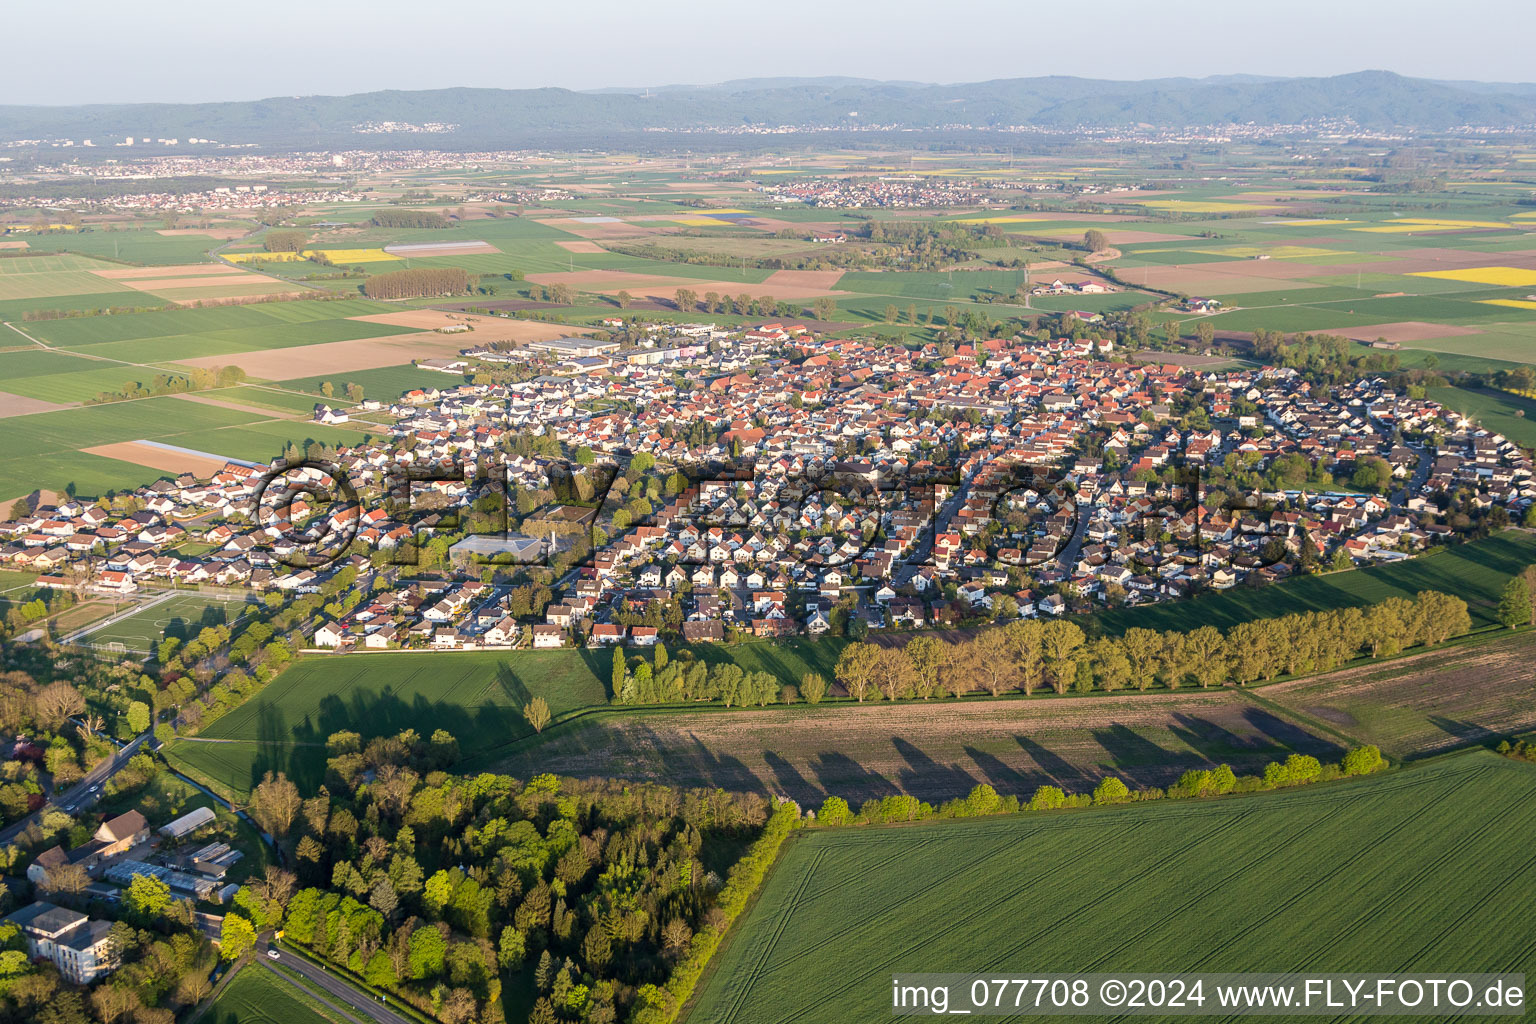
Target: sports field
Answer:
[[1424, 869], [476, 696], [182, 615], [257, 996]]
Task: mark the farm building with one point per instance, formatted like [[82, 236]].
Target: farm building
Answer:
[[188, 823]]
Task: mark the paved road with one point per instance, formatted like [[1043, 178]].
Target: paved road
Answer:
[[1069, 553], [345, 993], [939, 523], [78, 795], [1415, 483]]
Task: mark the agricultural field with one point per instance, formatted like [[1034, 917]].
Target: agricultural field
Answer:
[[59, 364], [478, 697], [256, 996], [1421, 853], [931, 749], [1512, 415], [1475, 572], [1427, 703], [99, 448]]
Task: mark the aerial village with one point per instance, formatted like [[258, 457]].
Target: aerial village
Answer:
[[704, 484]]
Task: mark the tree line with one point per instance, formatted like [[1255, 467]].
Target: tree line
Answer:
[[417, 282], [174, 384], [1030, 654], [410, 219]]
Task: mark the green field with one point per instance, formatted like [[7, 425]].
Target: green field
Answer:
[[183, 616], [1427, 869], [257, 996], [1512, 415], [1475, 571], [386, 383], [144, 245], [475, 696]]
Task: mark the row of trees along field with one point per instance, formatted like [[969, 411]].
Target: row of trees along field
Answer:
[[417, 282], [438, 889], [412, 219], [1029, 654], [197, 379]]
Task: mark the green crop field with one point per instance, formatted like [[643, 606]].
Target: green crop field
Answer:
[[82, 331], [386, 383], [476, 696], [257, 996], [1475, 571], [1512, 415], [145, 246], [233, 341], [1427, 869]]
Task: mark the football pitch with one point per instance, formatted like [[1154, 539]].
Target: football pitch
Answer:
[[181, 615]]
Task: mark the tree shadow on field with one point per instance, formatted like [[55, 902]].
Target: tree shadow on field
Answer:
[[791, 783], [926, 778], [512, 686], [840, 775], [1291, 737], [1212, 741], [1002, 776], [177, 627], [713, 769], [375, 713], [1462, 732], [1128, 749], [1056, 768]]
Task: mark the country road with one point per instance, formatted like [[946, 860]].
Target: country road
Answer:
[[345, 993], [81, 793]]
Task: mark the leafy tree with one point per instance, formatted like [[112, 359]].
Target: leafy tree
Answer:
[[813, 687], [1515, 604], [138, 717], [147, 897], [1363, 760], [1110, 791], [429, 950], [236, 937], [536, 711]]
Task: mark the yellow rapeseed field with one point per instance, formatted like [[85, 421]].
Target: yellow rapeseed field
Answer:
[[352, 255], [1508, 277], [260, 257]]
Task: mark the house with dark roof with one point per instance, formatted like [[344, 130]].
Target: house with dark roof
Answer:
[[79, 947]]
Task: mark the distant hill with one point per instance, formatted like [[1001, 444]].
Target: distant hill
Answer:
[[502, 117]]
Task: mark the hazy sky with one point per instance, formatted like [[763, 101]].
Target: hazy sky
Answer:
[[94, 51]]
